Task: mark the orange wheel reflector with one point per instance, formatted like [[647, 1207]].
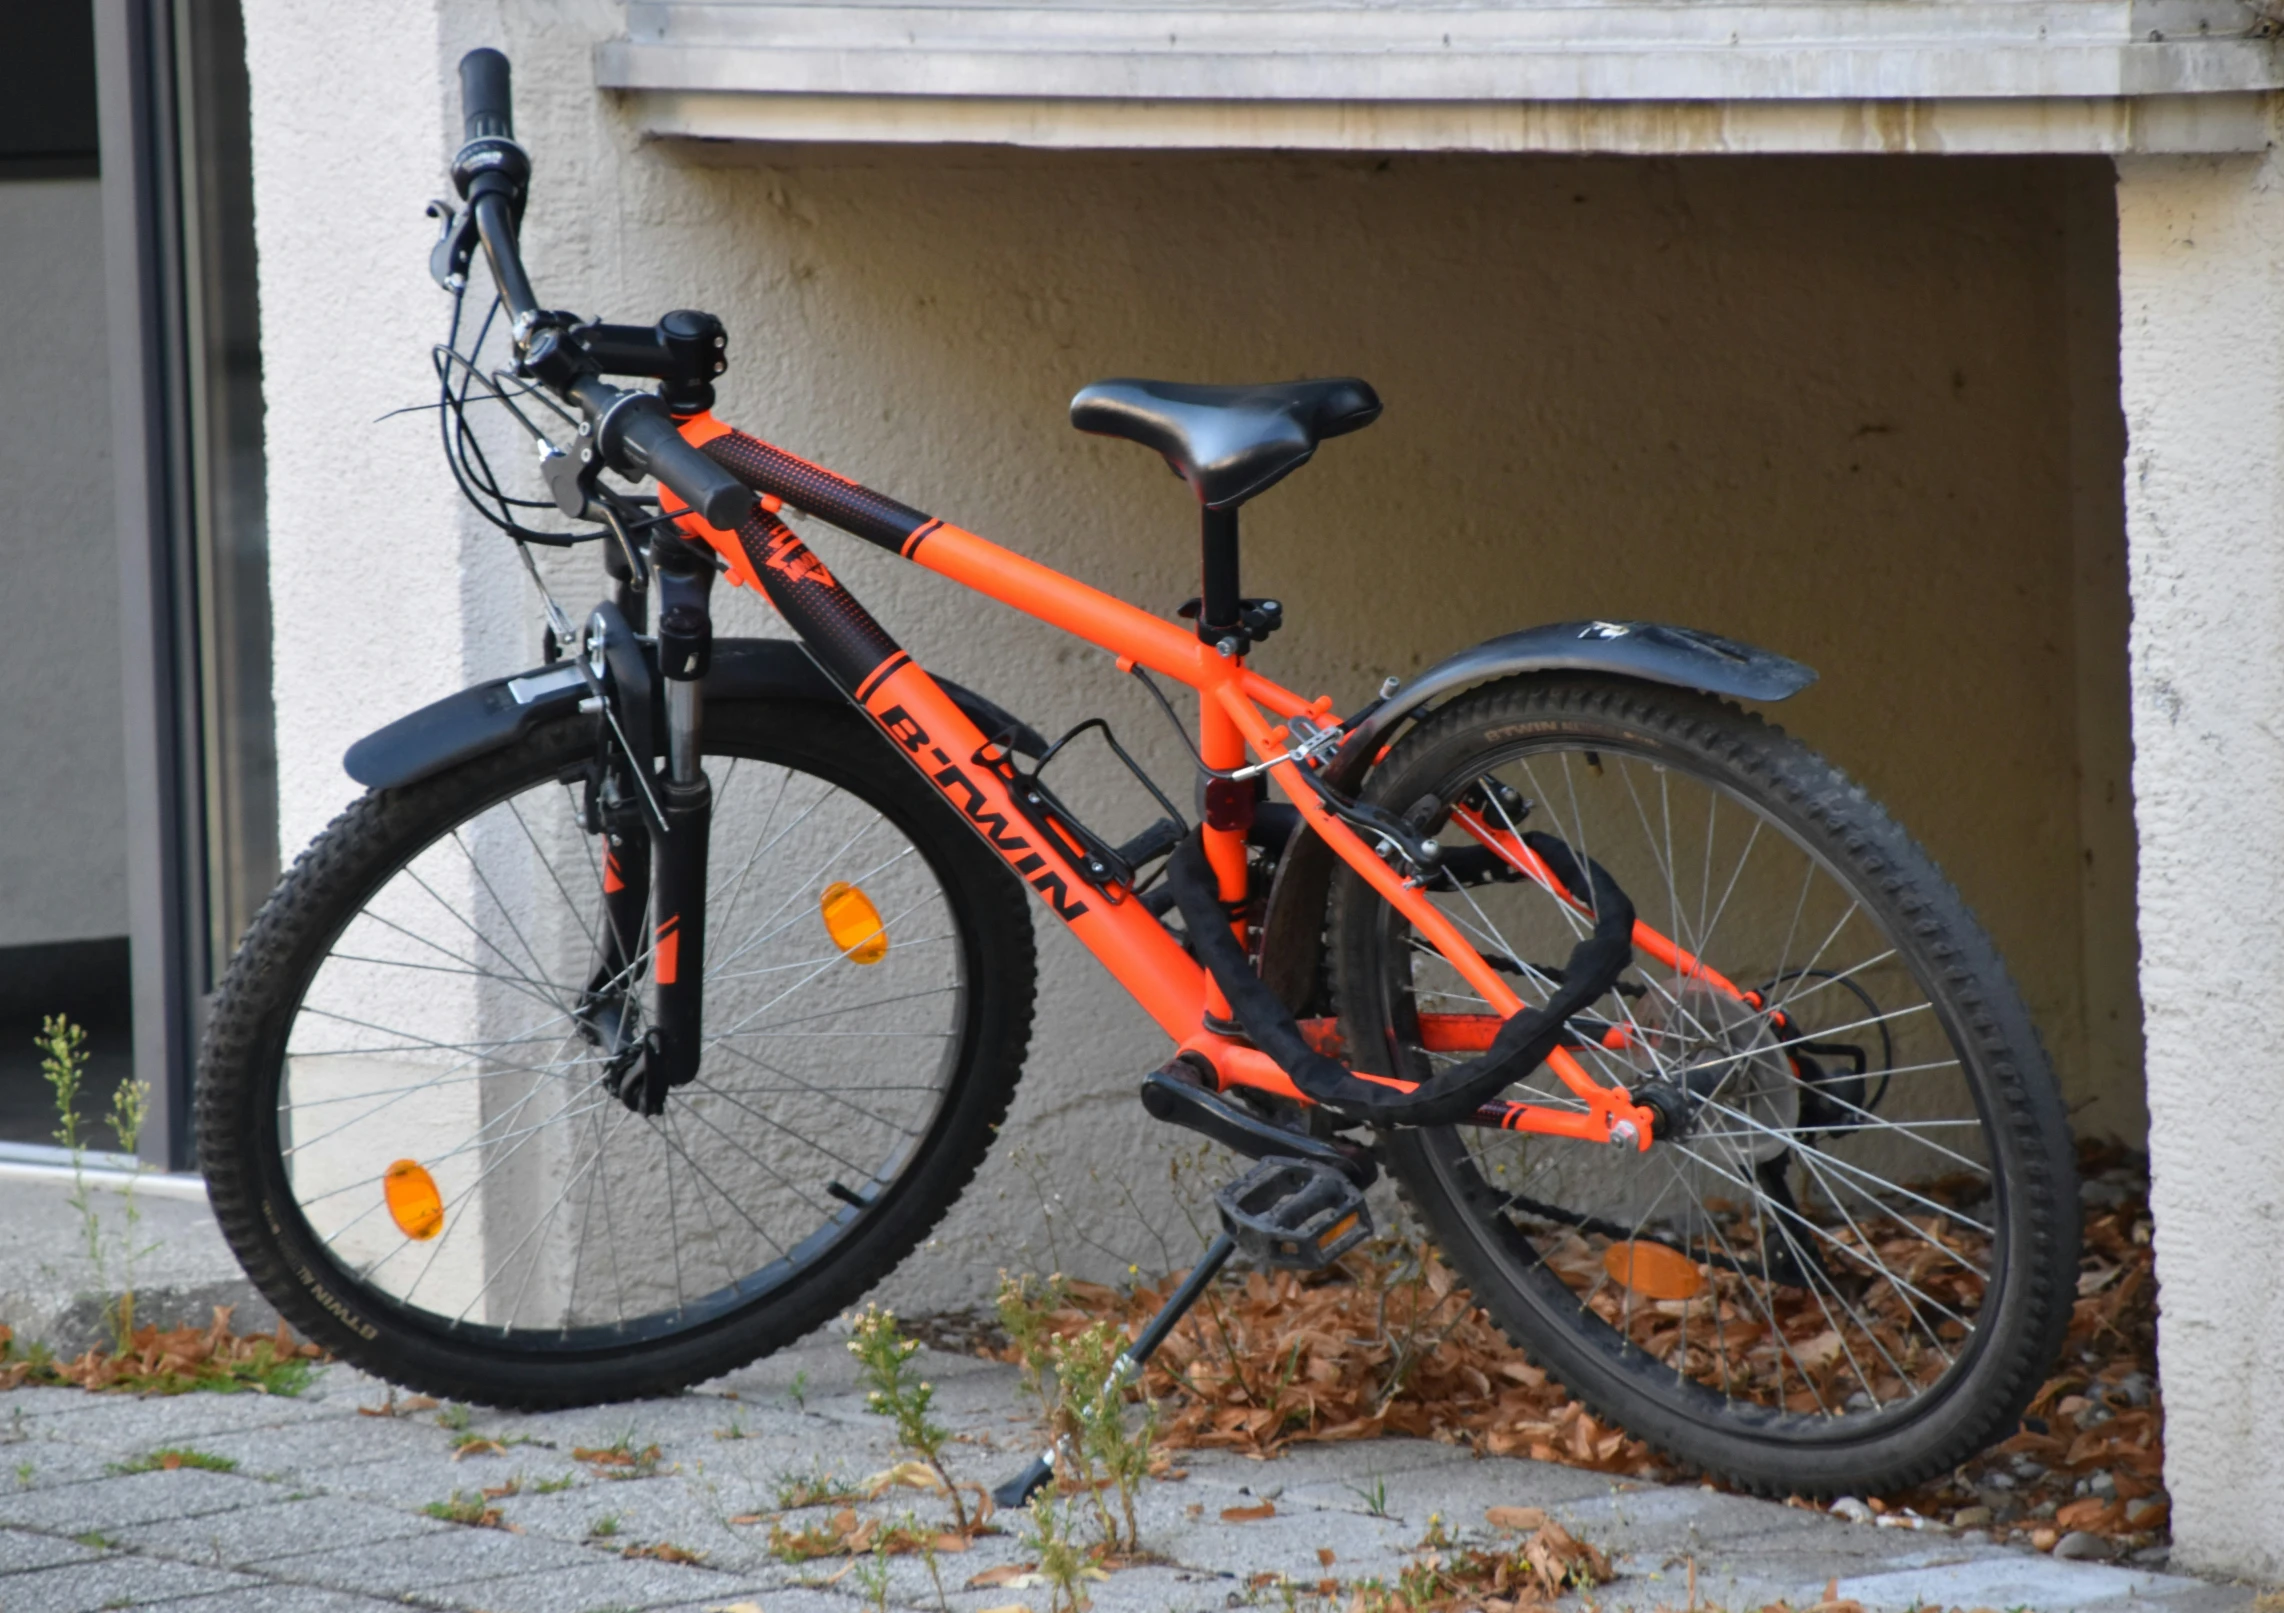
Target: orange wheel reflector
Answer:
[[1654, 1271], [414, 1204], [853, 923]]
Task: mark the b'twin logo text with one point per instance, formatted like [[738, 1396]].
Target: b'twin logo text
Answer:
[[994, 827]]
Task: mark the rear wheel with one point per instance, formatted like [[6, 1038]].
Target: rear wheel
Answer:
[[1850, 1262], [407, 1117]]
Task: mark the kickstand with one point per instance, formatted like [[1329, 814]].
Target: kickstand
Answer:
[[1019, 1489]]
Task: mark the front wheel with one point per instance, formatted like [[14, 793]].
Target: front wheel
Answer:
[[411, 1116], [1848, 1263]]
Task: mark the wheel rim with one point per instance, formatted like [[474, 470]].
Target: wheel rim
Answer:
[[441, 1031], [1816, 1254]]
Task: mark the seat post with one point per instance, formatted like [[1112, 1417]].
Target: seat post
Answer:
[[1218, 605]]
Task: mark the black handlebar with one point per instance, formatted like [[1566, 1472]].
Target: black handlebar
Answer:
[[487, 108], [633, 431], [640, 437]]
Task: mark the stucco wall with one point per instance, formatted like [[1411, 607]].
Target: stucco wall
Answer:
[[2203, 343], [63, 861], [1832, 406]]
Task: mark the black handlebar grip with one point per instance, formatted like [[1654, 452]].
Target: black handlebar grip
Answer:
[[487, 108], [651, 445]]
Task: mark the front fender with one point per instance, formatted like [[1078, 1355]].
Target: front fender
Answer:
[[490, 715], [1652, 651], [1292, 929]]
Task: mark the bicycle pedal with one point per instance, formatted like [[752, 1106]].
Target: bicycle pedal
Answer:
[[1294, 1213]]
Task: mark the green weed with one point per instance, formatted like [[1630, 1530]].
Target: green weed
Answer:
[[172, 1457], [884, 1360]]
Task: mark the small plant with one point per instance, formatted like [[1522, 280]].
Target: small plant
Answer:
[[63, 1061], [798, 1390], [454, 1417], [95, 1541], [1063, 1564], [619, 1459], [871, 1576], [935, 1578], [828, 1539], [468, 1508], [816, 1488], [736, 1430], [1027, 1307], [1374, 1495], [884, 1358], [168, 1460], [23, 1475], [1090, 1423], [1081, 1381], [555, 1486], [604, 1527]]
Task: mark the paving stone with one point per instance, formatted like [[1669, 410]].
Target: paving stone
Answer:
[[795, 1599], [134, 1422], [420, 1562], [1415, 1484], [748, 1472], [339, 1381], [115, 1582], [271, 1598], [825, 1367], [1151, 1590], [282, 1530], [102, 1505], [647, 1514], [1844, 1549], [412, 1482], [313, 1450], [608, 1582], [38, 1464], [1285, 1544], [2028, 1579], [685, 1419], [1687, 1511], [21, 1549], [982, 1397]]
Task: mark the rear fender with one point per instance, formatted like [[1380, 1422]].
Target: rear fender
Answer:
[[1651, 651], [1292, 930], [488, 716]]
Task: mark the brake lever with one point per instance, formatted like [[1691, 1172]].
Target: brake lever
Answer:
[[455, 246]]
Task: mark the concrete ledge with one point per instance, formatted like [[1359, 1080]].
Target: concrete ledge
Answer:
[[1986, 127], [2096, 76], [51, 1291]]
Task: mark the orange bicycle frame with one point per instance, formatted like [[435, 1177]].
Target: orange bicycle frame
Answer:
[[1238, 712]]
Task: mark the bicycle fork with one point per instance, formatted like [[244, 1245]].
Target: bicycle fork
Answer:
[[654, 875]]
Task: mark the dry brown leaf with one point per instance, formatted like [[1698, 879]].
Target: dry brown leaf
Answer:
[[665, 1552], [1000, 1575], [1523, 1518], [1324, 1556], [1267, 1509]]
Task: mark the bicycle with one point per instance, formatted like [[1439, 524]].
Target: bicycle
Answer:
[[654, 1003]]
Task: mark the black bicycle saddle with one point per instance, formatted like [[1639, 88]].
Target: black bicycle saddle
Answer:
[[1227, 442]]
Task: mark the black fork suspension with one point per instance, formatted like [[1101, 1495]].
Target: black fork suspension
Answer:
[[678, 841]]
